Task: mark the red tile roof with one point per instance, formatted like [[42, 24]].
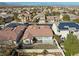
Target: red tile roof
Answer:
[[27, 35], [40, 30], [35, 30], [19, 28], [9, 34]]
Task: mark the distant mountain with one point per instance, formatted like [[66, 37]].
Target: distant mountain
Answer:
[[2, 3], [39, 3], [8, 4]]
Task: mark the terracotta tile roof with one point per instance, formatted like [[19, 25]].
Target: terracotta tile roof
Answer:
[[7, 35], [19, 28], [35, 30], [40, 30], [10, 34], [27, 35]]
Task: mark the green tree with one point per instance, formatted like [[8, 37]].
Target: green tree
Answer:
[[45, 52], [56, 13], [76, 20], [16, 17], [33, 14], [71, 45], [66, 18], [2, 22]]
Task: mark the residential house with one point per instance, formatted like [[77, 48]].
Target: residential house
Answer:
[[38, 34], [10, 36], [40, 17], [66, 27], [24, 16], [72, 16], [7, 17], [77, 34], [63, 28], [51, 19]]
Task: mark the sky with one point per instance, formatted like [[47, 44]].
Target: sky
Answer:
[[39, 3]]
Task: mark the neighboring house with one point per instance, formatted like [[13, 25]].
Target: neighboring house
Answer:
[[41, 17], [66, 27], [77, 34], [10, 36], [38, 34], [55, 29], [7, 37], [24, 16], [6, 17], [51, 19], [19, 28], [63, 28], [72, 16]]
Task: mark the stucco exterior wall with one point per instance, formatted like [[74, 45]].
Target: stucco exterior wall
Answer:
[[77, 34], [27, 41], [64, 33], [45, 40]]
